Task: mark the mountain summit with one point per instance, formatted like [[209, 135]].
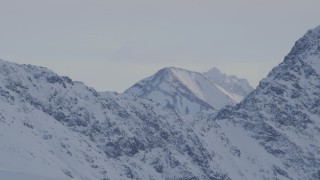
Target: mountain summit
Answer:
[[54, 128], [282, 116], [188, 91], [238, 88]]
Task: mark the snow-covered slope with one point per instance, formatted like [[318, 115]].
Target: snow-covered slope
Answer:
[[276, 129], [185, 91], [54, 128], [236, 87]]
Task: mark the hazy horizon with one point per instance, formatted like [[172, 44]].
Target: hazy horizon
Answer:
[[110, 45]]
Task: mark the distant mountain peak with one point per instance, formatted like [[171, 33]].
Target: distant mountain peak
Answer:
[[54, 128], [188, 91], [172, 68], [216, 71], [232, 83]]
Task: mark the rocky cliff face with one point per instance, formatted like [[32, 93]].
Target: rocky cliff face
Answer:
[[282, 114], [56, 127]]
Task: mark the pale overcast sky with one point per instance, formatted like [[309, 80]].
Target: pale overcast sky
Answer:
[[111, 44]]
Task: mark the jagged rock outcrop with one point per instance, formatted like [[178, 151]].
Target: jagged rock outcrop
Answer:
[[281, 116]]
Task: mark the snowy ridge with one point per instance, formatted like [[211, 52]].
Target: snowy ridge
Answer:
[[51, 126], [239, 88], [281, 117], [54, 128], [185, 91]]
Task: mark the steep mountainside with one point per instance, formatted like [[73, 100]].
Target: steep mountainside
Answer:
[[185, 91], [236, 87], [281, 118], [53, 127]]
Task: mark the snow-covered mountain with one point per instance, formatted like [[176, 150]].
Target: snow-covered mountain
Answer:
[[236, 87], [276, 129], [54, 128], [189, 92]]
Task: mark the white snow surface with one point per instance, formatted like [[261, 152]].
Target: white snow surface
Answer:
[[282, 117], [189, 92], [53, 128]]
